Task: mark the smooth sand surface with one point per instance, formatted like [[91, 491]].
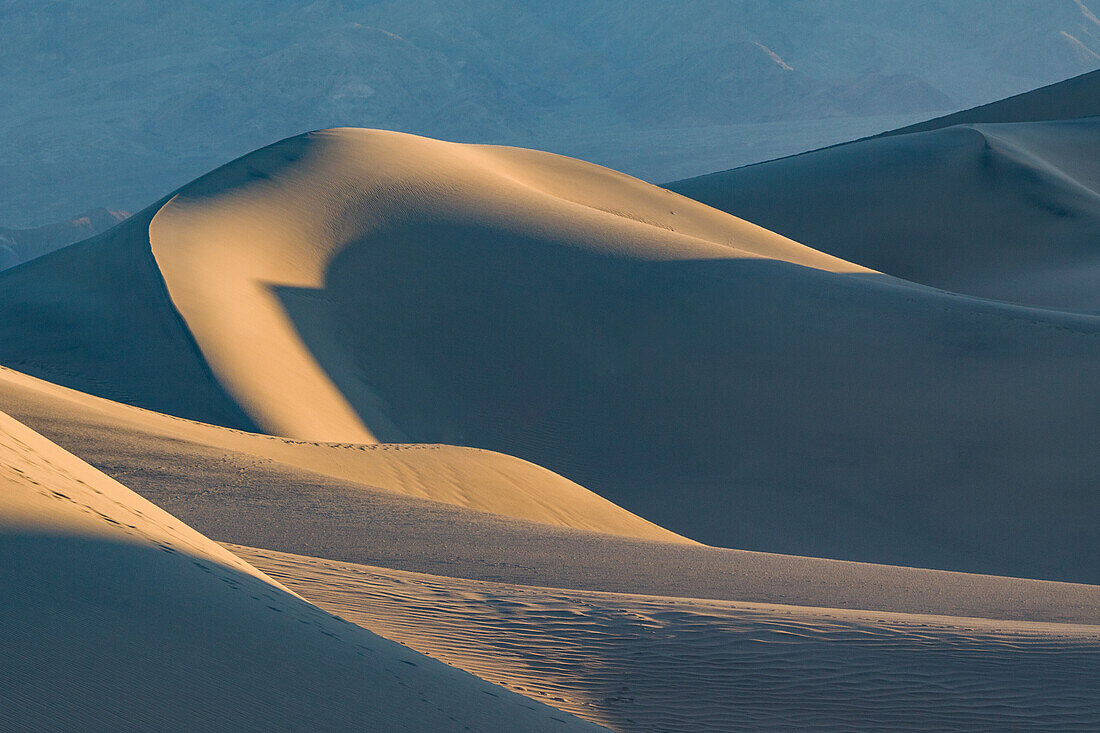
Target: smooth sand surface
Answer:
[[258, 490], [1004, 211], [111, 433], [629, 370], [1066, 100], [95, 316], [635, 663], [235, 244], [707, 375], [628, 661], [118, 616], [1000, 200]]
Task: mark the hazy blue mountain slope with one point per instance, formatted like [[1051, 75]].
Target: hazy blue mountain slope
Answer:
[[115, 104]]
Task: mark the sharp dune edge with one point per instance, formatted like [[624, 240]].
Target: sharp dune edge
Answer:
[[359, 286], [277, 220], [488, 403], [1000, 201], [582, 652], [118, 615], [466, 477]]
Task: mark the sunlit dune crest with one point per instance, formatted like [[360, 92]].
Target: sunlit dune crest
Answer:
[[366, 430], [688, 368], [280, 217], [117, 614]]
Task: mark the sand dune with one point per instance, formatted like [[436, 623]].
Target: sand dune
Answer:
[[94, 316], [630, 662], [1000, 201], [635, 662], [283, 495], [488, 397], [252, 242], [370, 431], [1005, 211], [727, 383], [234, 244], [118, 616], [131, 443], [1067, 100]]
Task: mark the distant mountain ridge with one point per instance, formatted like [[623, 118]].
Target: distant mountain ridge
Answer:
[[19, 245], [145, 97]]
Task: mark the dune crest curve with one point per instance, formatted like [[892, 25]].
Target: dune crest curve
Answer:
[[118, 615], [279, 217]]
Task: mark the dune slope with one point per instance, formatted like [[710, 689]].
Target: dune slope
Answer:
[[135, 445], [255, 243], [986, 201], [1005, 211], [117, 615], [311, 500], [1066, 100], [725, 382], [95, 316], [630, 662], [642, 663]]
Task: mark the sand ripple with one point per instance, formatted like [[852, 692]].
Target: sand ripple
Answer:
[[649, 663]]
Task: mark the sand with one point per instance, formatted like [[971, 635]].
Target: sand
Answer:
[[1007, 211], [258, 490], [129, 441], [998, 201], [239, 242], [634, 662], [575, 435], [733, 386], [1000, 651], [117, 615]]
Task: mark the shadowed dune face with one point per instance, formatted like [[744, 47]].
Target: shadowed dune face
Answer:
[[281, 217], [1066, 100], [372, 505], [1003, 211], [545, 308], [815, 414], [630, 662], [95, 317], [728, 383]]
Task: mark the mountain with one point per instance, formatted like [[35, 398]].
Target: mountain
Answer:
[[1000, 201], [734, 386], [20, 245], [1067, 100], [115, 105]]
